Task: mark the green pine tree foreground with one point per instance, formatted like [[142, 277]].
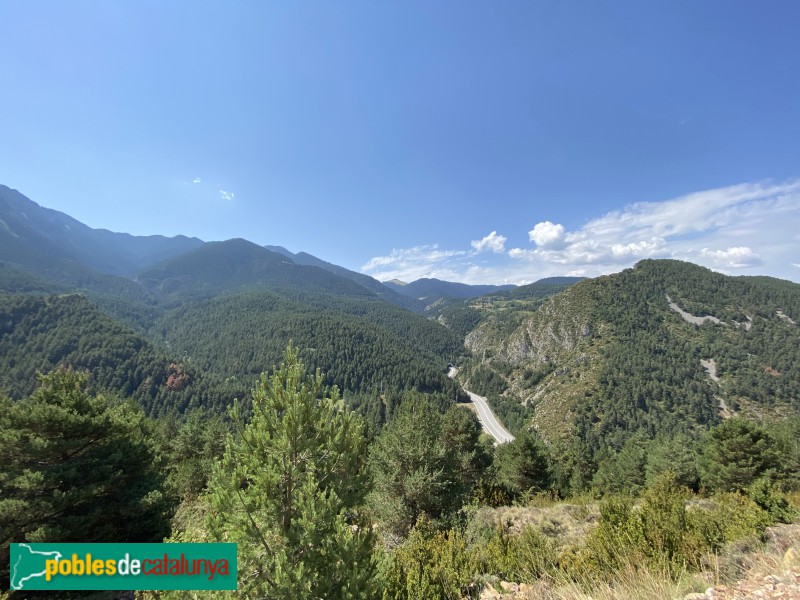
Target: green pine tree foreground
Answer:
[[75, 468], [289, 488], [415, 473], [292, 486]]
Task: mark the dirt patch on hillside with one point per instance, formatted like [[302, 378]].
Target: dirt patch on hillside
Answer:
[[710, 366], [690, 318]]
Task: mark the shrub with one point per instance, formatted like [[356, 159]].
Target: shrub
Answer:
[[429, 566], [531, 555], [608, 545], [657, 534], [733, 517], [526, 556], [771, 500]]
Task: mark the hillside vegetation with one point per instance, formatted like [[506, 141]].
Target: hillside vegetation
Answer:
[[657, 413], [39, 333], [362, 346], [191, 324], [609, 361]]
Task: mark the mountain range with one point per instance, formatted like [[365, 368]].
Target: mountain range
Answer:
[[176, 323], [210, 314], [432, 291], [41, 239], [59, 249]]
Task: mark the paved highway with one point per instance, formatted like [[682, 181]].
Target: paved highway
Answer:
[[488, 420]]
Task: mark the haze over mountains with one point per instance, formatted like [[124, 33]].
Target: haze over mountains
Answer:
[[60, 249], [430, 290], [39, 238], [210, 315], [607, 353]]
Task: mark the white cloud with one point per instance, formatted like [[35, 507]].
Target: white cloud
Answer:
[[589, 251], [197, 180], [738, 257], [638, 249], [409, 264], [547, 235], [721, 218], [225, 195], [698, 212], [495, 243], [520, 253], [751, 228]]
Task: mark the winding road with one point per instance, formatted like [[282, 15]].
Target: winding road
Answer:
[[489, 421]]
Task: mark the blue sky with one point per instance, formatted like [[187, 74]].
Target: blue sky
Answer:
[[471, 141]]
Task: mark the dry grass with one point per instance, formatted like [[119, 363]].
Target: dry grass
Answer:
[[747, 560], [631, 583], [566, 524]]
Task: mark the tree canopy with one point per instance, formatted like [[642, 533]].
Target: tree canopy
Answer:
[[75, 468], [289, 489]]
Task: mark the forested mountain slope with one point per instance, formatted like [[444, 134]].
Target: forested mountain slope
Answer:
[[48, 250], [225, 267], [197, 329], [237, 337], [41, 332], [205, 354], [382, 291], [462, 317], [259, 300], [614, 357]]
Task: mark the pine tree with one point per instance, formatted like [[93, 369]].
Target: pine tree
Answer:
[[623, 472], [677, 454], [73, 468], [460, 435], [523, 465], [737, 453], [415, 474], [288, 491]]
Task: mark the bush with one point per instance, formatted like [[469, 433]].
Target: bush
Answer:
[[526, 556], [733, 517], [610, 544], [657, 534], [771, 500], [531, 555], [429, 566], [667, 540]]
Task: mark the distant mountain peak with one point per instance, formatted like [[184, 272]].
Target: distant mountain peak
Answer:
[[430, 291], [280, 250], [37, 238]]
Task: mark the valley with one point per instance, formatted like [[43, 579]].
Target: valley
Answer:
[[607, 403], [487, 418]]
